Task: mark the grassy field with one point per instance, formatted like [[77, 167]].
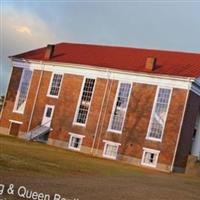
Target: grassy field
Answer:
[[51, 170]]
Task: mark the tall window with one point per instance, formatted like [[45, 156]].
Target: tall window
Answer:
[[120, 107], [23, 91], [55, 85], [85, 101], [159, 114]]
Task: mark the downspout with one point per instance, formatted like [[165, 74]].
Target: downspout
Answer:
[[36, 96], [100, 132], [180, 128], [99, 118]]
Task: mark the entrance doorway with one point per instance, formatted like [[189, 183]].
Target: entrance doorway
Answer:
[[47, 116], [14, 128]]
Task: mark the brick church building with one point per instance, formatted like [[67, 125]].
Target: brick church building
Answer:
[[140, 106]]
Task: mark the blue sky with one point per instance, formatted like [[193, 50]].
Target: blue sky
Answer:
[[25, 25]]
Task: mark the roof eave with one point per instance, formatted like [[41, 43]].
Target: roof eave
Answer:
[[172, 77]]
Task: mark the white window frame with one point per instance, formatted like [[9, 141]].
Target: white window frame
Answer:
[[51, 81], [113, 108], [148, 137], [107, 142], [147, 150], [18, 92], [77, 136], [79, 101]]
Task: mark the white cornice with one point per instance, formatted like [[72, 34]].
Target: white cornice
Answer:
[[102, 72]]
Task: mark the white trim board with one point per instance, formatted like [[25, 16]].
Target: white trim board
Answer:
[[111, 142], [95, 72], [15, 121]]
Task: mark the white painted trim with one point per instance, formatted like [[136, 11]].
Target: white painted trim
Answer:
[[113, 131], [152, 114], [15, 121], [101, 72], [79, 101], [111, 142], [77, 136], [107, 142], [147, 150], [18, 92], [49, 88], [113, 108]]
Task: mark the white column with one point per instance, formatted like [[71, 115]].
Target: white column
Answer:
[[196, 143]]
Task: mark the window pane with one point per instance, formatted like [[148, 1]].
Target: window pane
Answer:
[[23, 90], [75, 142], [55, 85], [149, 158], [118, 115], [85, 100], [48, 112], [159, 113], [111, 150]]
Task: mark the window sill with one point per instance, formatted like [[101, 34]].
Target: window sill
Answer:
[[79, 124], [52, 96], [18, 112], [114, 131], [153, 139]]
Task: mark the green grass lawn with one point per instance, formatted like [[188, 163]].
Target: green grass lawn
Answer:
[[51, 170]]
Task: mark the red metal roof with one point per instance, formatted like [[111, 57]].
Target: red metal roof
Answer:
[[122, 58]]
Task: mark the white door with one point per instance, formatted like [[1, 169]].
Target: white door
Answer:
[[47, 116]]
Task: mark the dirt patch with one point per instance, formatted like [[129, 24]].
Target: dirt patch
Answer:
[[50, 170]]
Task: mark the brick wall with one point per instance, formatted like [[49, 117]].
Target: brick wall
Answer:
[[8, 113], [136, 123]]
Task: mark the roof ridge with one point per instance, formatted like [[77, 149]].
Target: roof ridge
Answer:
[[128, 47]]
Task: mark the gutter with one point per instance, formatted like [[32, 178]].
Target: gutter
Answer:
[[100, 114]]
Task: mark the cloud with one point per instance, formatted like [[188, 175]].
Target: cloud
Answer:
[[19, 25], [21, 31], [24, 29]]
